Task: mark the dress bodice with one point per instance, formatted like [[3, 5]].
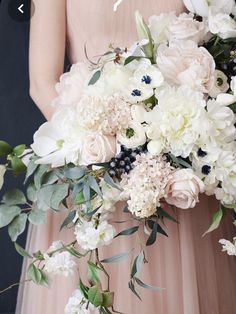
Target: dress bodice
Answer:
[[95, 24]]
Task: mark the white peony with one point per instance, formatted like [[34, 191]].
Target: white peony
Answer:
[[61, 263], [201, 7], [229, 247], [89, 236], [77, 304], [221, 24], [177, 117], [132, 136], [2, 173]]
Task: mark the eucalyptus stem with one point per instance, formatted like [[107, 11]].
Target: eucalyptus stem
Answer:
[[14, 285], [103, 269]]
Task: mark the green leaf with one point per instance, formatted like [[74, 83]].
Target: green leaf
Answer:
[[5, 149], [233, 107], [229, 206], [83, 289], [215, 221], [95, 77], [163, 214], [69, 219], [31, 168], [14, 197], [95, 296], [7, 214], [35, 274], [144, 33], [86, 192], [19, 150], [44, 280], [93, 272], [31, 192], [17, 226], [132, 288], [38, 176], [108, 299], [22, 251], [50, 178], [137, 265], [108, 179], [59, 194], [127, 232], [116, 258], [73, 251], [79, 199], [37, 216], [74, 173], [153, 236], [132, 58], [144, 285], [94, 185], [18, 167]]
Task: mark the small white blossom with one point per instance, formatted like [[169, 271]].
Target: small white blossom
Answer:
[[228, 246], [220, 85], [77, 304]]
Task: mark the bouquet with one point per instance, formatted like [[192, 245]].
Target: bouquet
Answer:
[[152, 126]]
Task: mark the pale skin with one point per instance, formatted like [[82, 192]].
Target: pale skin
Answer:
[[46, 52]]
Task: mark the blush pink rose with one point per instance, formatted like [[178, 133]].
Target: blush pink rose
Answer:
[[183, 189], [184, 63], [98, 148]]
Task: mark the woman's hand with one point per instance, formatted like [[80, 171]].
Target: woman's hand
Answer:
[[46, 51]]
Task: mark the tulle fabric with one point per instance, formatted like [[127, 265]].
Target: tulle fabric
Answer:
[[196, 277]]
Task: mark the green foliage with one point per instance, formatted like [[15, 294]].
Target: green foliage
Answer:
[[95, 77], [137, 264], [95, 296], [153, 235], [18, 167], [7, 214], [74, 173], [132, 58], [19, 150], [52, 196], [116, 258], [14, 197], [146, 286], [5, 149], [217, 217], [37, 216], [108, 179], [93, 272], [17, 226], [22, 251], [37, 275], [128, 231], [69, 219], [108, 299], [163, 214]]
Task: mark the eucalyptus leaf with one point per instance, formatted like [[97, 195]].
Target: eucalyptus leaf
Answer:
[[35, 274], [38, 175], [127, 232], [60, 193], [95, 77], [132, 58], [50, 178], [74, 173], [137, 265], [215, 221], [17, 226], [14, 197], [31, 192], [94, 185], [163, 214], [37, 216], [153, 236], [31, 168], [108, 179], [146, 286], [132, 288], [93, 273], [116, 258], [95, 296], [22, 251], [7, 214], [69, 219]]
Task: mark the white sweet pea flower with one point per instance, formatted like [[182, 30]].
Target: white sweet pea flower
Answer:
[[2, 173], [133, 136], [148, 75], [229, 247], [221, 24], [220, 85], [77, 304], [201, 7]]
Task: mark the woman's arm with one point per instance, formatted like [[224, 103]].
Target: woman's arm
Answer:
[[47, 51]]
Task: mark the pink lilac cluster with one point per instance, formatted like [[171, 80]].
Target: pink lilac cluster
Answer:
[[145, 185], [105, 114]]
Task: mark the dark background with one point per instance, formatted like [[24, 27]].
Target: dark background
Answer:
[[19, 118]]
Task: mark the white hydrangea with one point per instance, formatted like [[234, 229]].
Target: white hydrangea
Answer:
[[77, 304], [229, 247], [91, 236], [180, 117], [61, 263]]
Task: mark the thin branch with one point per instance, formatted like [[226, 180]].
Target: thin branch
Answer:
[[14, 285]]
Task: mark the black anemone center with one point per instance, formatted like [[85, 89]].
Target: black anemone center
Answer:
[[146, 79], [201, 153], [206, 169], [136, 92]]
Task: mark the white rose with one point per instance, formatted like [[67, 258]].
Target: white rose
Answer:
[[185, 27], [2, 173], [98, 148], [183, 189], [133, 136], [221, 24], [184, 63], [220, 85], [201, 7]]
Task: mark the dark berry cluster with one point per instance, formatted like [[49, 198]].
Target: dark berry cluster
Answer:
[[123, 162], [229, 67]]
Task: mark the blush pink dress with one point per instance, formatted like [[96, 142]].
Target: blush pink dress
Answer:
[[196, 276]]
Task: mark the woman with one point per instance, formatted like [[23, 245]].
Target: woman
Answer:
[[197, 277]]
